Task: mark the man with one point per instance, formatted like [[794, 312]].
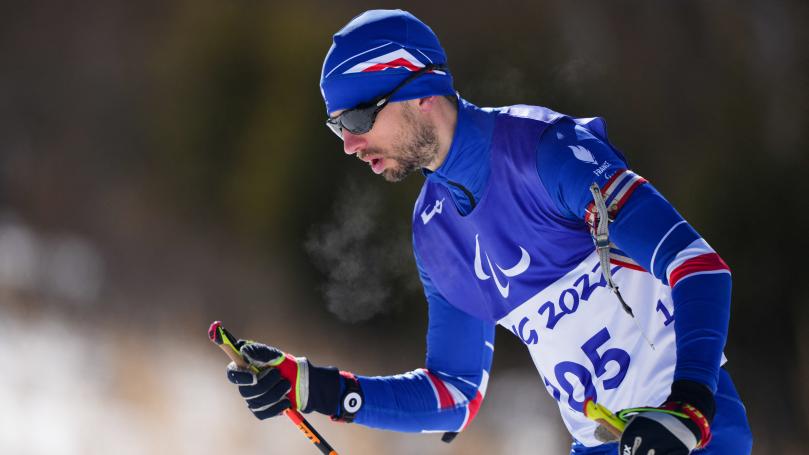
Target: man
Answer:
[[504, 229]]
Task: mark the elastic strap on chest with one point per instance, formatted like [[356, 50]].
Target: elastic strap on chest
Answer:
[[601, 237]]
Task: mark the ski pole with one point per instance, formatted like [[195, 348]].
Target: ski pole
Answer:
[[604, 417], [614, 423], [225, 340]]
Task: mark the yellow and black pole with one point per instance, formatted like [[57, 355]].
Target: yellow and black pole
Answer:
[[612, 425], [225, 340], [604, 417]]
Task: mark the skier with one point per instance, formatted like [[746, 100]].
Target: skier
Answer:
[[530, 219]]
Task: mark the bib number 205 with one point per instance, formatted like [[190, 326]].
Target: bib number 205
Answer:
[[569, 373]]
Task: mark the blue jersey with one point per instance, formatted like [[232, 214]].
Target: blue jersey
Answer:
[[501, 236]]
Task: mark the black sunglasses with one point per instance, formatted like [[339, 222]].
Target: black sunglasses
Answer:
[[360, 120]]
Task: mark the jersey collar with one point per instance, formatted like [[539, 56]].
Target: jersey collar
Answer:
[[467, 161]]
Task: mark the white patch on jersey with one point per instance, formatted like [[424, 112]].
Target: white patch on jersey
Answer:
[[583, 154], [579, 330], [429, 213], [520, 267]]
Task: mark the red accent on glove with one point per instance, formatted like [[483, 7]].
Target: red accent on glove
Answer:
[[695, 416], [702, 423], [289, 371]]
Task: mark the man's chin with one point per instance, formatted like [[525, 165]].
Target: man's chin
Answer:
[[393, 175], [396, 174]]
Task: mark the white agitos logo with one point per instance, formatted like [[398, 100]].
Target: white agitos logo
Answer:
[[583, 154], [429, 212], [520, 267]]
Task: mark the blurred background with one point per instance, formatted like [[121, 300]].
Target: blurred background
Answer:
[[164, 164]]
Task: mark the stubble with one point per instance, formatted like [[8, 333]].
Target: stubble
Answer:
[[416, 148]]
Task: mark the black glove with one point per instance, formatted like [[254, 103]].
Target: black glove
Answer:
[[270, 391], [679, 426]]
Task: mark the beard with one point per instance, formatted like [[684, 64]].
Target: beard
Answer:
[[416, 148]]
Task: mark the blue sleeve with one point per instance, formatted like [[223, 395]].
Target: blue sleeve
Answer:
[[650, 231], [569, 159], [446, 395]]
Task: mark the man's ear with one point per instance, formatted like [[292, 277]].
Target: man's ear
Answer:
[[427, 103]]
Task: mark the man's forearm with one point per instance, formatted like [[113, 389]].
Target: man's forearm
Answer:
[[651, 231], [418, 401]]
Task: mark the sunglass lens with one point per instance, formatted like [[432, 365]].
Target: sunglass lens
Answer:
[[358, 121]]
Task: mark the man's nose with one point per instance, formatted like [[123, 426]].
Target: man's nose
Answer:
[[352, 143]]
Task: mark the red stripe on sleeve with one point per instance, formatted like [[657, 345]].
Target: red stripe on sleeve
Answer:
[[702, 263], [628, 193], [627, 265], [474, 406], [612, 180], [445, 398]]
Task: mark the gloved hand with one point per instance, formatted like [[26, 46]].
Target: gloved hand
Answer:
[[677, 427], [285, 381]]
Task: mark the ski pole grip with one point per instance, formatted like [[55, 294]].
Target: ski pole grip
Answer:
[[225, 340], [604, 417]]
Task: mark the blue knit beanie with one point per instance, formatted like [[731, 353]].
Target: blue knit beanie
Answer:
[[376, 51]]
